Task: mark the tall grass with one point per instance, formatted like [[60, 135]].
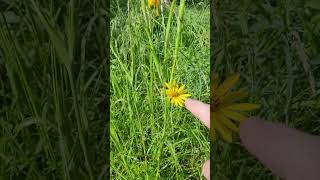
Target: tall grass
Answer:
[[150, 139], [52, 90]]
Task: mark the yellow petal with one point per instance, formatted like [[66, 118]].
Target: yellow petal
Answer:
[[183, 98], [185, 95], [242, 107], [233, 115], [174, 83], [225, 121], [233, 96], [225, 133], [227, 84], [181, 88], [180, 100]]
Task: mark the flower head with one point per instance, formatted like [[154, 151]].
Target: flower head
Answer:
[[153, 3], [226, 109], [175, 94]]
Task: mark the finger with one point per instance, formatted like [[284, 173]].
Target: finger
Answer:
[[200, 110], [206, 169], [289, 153]]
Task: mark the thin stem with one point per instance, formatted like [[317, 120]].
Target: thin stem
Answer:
[[168, 27], [179, 31]]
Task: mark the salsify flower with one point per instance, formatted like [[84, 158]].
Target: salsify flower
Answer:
[[175, 94], [153, 3], [226, 110]]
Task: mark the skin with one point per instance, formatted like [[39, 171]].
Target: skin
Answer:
[[287, 152], [202, 112]]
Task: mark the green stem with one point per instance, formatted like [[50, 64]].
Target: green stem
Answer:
[[167, 32], [153, 50], [79, 126], [179, 31]]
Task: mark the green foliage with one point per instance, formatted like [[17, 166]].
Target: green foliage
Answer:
[[149, 138], [258, 39], [52, 90]]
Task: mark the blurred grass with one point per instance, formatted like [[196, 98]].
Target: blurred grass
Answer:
[[150, 140], [52, 90], [258, 39]]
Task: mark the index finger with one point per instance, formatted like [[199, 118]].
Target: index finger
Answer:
[[200, 110]]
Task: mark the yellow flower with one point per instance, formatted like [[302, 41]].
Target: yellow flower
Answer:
[[226, 109], [155, 4], [175, 94]]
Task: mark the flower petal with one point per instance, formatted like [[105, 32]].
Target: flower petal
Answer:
[[233, 115], [177, 95], [167, 85], [185, 95], [225, 121], [227, 84], [174, 83], [181, 88], [225, 133], [180, 100], [233, 96], [242, 107]]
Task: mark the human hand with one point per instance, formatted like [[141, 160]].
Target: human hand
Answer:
[[289, 153], [202, 112]]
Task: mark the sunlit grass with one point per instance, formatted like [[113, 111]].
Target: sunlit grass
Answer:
[[149, 137]]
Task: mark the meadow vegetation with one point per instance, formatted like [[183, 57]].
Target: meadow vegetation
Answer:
[[151, 139], [53, 84], [274, 45]]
